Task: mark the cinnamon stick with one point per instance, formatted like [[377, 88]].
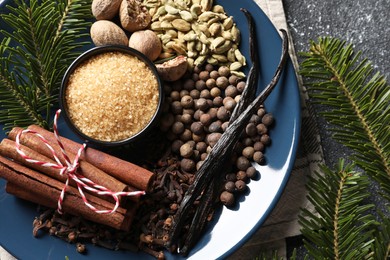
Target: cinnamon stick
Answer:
[[42, 189], [8, 149], [129, 173]]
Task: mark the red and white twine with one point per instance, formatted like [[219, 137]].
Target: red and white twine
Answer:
[[70, 169]]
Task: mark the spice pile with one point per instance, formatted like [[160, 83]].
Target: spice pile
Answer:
[[197, 112], [164, 29]]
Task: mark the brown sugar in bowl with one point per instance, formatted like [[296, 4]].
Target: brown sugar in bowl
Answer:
[[111, 95]]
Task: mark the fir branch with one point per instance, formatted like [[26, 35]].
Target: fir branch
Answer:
[[359, 103], [45, 37], [343, 229]]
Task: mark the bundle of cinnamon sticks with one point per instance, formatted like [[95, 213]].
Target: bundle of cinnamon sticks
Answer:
[[43, 185]]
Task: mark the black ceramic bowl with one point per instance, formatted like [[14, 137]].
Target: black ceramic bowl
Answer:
[[85, 57]]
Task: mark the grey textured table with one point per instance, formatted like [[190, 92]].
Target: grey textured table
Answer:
[[363, 23]]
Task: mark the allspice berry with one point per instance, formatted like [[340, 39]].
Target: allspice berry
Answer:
[[197, 128], [258, 157], [242, 163], [178, 128], [187, 101], [267, 119], [240, 185], [248, 152], [186, 150], [187, 165], [227, 198], [230, 186], [251, 172]]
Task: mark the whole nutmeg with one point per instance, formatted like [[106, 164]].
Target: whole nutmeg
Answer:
[[105, 9], [146, 42], [133, 15], [174, 69], [105, 32]]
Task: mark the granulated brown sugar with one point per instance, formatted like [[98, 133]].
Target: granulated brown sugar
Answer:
[[112, 96]]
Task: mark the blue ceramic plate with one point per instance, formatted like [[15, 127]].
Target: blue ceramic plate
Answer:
[[231, 228]]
